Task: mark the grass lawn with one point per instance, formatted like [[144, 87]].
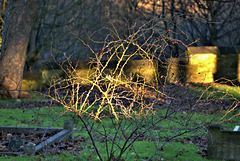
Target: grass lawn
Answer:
[[141, 149], [218, 91]]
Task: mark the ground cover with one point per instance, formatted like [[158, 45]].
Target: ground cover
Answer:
[[80, 147], [180, 148]]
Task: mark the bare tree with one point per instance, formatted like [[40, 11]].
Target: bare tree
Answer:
[[17, 27], [3, 7], [214, 22]]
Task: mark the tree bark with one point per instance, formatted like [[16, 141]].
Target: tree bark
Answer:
[[16, 31]]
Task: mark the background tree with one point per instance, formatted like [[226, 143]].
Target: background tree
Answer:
[[58, 23], [3, 7], [214, 22], [17, 27]]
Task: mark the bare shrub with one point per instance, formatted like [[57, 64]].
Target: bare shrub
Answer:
[[119, 108]]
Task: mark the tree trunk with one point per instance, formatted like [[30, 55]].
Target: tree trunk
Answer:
[[16, 30]]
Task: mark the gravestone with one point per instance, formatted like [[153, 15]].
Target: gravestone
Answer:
[[29, 148], [176, 70], [228, 63], [144, 69], [202, 64], [224, 145]]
